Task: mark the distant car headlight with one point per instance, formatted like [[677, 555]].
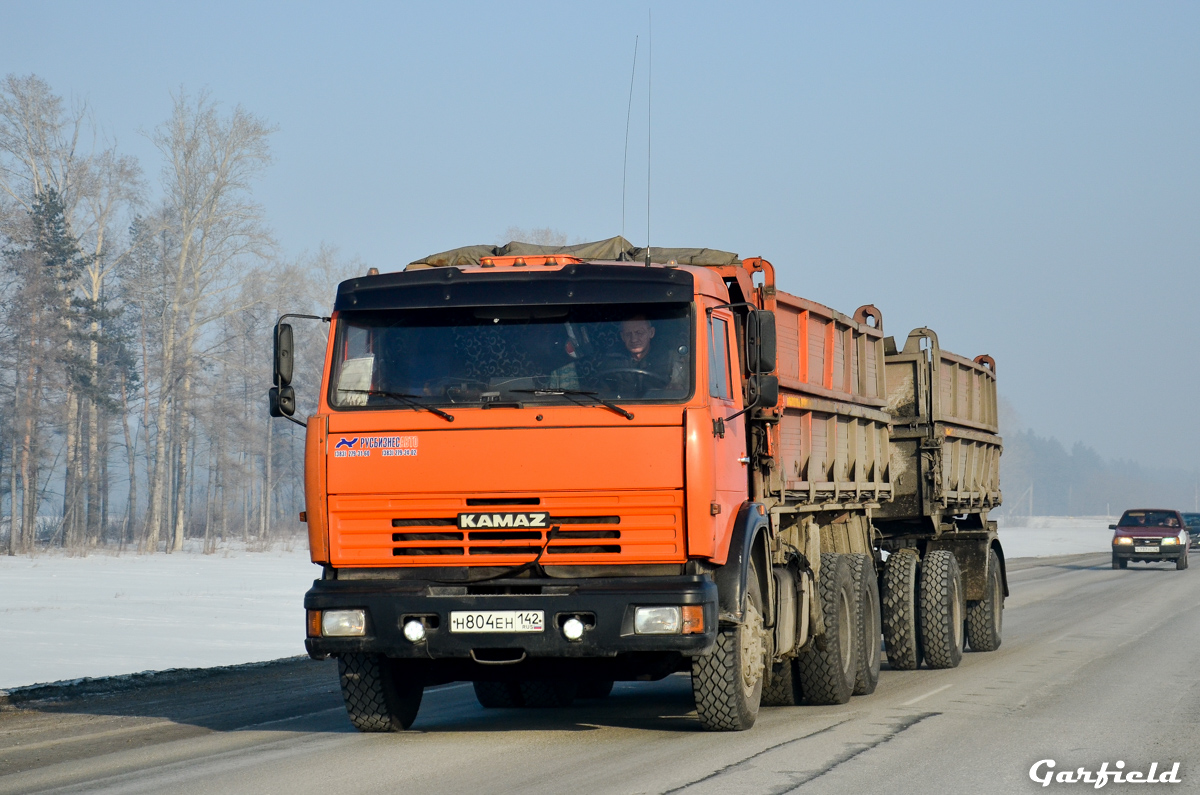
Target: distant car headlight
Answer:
[[1166, 542], [1122, 540]]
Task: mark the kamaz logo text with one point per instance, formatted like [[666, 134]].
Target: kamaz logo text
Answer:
[[474, 520]]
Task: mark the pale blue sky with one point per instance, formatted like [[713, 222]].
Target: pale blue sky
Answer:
[[1022, 177]]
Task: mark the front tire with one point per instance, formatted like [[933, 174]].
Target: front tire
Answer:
[[827, 669], [901, 631], [942, 610], [548, 693], [727, 684], [985, 618], [498, 695], [1181, 562], [379, 698]]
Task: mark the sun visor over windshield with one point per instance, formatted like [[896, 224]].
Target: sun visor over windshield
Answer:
[[574, 284]]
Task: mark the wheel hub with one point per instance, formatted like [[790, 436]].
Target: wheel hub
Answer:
[[753, 649]]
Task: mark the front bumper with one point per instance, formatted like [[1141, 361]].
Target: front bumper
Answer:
[[607, 605], [1172, 552]]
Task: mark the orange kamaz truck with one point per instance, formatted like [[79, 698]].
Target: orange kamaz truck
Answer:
[[545, 470]]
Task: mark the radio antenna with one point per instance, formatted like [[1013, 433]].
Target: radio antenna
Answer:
[[628, 113], [649, 86]]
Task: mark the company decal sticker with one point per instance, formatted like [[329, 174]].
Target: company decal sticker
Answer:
[[388, 446]]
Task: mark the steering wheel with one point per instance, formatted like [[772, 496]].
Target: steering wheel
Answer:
[[657, 380]]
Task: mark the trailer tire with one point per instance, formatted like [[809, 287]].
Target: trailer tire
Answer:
[[942, 609], [985, 618], [594, 688], [901, 632], [498, 695], [378, 698], [548, 693], [866, 586], [783, 687], [727, 684], [829, 666]]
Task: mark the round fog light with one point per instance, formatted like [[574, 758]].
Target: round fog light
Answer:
[[414, 630], [572, 629]]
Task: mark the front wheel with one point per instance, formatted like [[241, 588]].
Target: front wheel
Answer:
[[378, 695], [727, 684], [1181, 562]]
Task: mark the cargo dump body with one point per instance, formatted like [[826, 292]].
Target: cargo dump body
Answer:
[[945, 456], [541, 470]]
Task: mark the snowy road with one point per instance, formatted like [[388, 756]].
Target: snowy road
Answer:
[[1096, 666]]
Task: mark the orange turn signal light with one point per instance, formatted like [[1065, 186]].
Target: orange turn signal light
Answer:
[[693, 619], [314, 623]]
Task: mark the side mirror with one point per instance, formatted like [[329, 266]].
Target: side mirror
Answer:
[[283, 357], [1112, 527], [760, 341], [282, 400], [763, 391]]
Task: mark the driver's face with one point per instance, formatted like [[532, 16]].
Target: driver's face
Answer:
[[636, 334]]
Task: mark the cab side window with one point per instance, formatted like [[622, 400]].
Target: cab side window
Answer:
[[718, 358]]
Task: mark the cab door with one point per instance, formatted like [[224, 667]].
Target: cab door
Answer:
[[730, 462]]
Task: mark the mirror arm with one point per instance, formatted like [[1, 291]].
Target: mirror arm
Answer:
[[293, 419]]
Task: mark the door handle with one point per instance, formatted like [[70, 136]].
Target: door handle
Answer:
[[744, 459]]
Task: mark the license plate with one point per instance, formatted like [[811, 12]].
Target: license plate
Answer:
[[1145, 549], [497, 621]]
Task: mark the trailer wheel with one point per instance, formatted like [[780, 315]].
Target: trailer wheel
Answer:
[[866, 587], [378, 697], [544, 693], [828, 668], [498, 695], [942, 609], [727, 684], [901, 635], [986, 616], [782, 689], [594, 688]]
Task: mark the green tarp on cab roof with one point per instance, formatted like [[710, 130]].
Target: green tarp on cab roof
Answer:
[[615, 248]]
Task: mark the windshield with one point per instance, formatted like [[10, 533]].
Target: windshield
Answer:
[[1192, 519], [513, 355], [1149, 519]]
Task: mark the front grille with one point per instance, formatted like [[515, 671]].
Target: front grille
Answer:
[[632, 527]]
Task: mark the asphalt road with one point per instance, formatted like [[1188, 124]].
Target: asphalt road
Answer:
[[1096, 666]]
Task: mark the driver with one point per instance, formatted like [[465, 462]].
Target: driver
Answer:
[[667, 369]]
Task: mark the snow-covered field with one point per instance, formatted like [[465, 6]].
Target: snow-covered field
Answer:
[[104, 614]]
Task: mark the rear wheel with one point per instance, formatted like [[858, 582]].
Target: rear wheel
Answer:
[[378, 695], [727, 684], [942, 610], [986, 617], [866, 587], [827, 669], [542, 693], [594, 688], [901, 633], [498, 695], [782, 688]]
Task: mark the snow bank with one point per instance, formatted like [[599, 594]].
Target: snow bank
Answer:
[[106, 615], [1045, 536], [103, 615]]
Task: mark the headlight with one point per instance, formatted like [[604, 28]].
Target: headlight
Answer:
[[1122, 540], [1166, 542], [343, 623], [657, 621]]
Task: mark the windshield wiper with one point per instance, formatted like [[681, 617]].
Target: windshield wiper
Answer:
[[409, 399], [569, 393]]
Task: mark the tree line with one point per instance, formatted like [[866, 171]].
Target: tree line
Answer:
[[135, 330]]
